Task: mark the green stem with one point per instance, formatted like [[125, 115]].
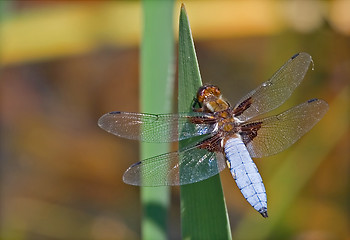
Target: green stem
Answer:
[[157, 54]]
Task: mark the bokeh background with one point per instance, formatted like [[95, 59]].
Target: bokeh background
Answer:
[[64, 64]]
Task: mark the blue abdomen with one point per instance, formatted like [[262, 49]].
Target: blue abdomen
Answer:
[[246, 174]]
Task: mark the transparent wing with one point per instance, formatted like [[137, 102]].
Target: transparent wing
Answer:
[[155, 127], [272, 93], [195, 164], [276, 133]]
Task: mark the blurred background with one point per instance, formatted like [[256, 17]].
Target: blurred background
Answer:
[[64, 64]]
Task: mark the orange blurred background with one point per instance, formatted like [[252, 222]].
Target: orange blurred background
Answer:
[[64, 64]]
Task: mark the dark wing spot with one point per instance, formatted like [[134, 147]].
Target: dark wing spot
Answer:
[[312, 100], [209, 119], [295, 55], [250, 131], [115, 112], [135, 164], [242, 107], [212, 144]]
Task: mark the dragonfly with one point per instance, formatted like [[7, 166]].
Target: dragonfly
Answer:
[[220, 135]]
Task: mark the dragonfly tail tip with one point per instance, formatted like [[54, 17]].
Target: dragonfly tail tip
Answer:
[[263, 212]]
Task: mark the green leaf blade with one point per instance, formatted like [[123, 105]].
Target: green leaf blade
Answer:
[[203, 208]]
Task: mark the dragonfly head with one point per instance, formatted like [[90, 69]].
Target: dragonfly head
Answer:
[[210, 99], [207, 91]]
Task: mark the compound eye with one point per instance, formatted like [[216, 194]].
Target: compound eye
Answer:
[[213, 90], [216, 91], [202, 92]]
